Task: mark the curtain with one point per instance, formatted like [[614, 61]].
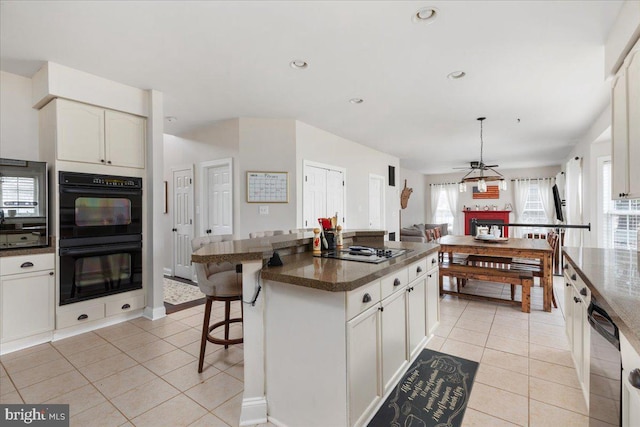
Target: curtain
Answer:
[[452, 191], [520, 195], [546, 197], [435, 195], [573, 194]]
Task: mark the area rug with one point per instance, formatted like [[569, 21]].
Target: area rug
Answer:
[[433, 392], [178, 293]]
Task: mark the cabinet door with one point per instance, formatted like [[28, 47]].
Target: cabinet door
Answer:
[[394, 336], [363, 338], [27, 304], [432, 301], [125, 139], [633, 120], [619, 137], [416, 315], [80, 132], [578, 334], [568, 310], [630, 402]]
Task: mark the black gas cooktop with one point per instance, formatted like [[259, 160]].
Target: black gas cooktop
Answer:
[[363, 254]]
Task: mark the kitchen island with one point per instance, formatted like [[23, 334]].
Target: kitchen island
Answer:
[[326, 339]]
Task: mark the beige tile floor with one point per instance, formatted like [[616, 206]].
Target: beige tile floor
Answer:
[[144, 373]]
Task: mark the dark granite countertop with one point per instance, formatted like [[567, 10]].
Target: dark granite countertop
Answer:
[[335, 275], [263, 247], [613, 275]]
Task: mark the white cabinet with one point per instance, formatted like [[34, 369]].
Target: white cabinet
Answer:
[[416, 315], [625, 128], [393, 313], [630, 394], [88, 134], [432, 301], [363, 336], [27, 296], [576, 302]]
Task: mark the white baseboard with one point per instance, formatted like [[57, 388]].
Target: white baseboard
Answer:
[[154, 313], [96, 324], [254, 411], [19, 344], [167, 271]]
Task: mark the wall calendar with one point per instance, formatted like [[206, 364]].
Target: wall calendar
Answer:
[[267, 187]]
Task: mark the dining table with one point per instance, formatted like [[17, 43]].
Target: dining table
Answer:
[[511, 247]]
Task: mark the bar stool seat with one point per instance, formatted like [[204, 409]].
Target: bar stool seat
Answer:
[[219, 282]]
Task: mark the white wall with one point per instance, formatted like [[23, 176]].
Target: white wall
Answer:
[[317, 145], [416, 211], [18, 121], [212, 143], [600, 131], [267, 145]]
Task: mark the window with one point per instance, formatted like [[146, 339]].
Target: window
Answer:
[[533, 212], [620, 217], [443, 211], [17, 193]]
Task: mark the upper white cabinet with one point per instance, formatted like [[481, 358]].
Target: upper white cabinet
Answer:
[[89, 134], [625, 128]]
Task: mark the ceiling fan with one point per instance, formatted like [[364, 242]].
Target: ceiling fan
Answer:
[[474, 166]]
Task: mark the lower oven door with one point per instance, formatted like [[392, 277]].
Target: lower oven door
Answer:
[[88, 272], [605, 368]]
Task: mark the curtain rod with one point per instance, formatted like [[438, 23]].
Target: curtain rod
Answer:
[[531, 179]]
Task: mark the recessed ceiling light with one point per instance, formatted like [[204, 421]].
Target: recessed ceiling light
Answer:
[[356, 100], [425, 15], [299, 64], [456, 75], [171, 118]]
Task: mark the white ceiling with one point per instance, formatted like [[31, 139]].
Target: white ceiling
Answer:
[[538, 61]]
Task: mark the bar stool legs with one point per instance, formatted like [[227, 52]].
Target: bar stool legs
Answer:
[[207, 329]]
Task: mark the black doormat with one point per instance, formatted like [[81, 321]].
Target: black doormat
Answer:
[[433, 392]]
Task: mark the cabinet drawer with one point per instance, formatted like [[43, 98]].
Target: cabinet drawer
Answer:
[[81, 315], [393, 282], [417, 269], [569, 272], [432, 260], [362, 298], [124, 304], [26, 263]]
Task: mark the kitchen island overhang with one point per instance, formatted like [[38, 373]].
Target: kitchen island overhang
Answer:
[[297, 333]]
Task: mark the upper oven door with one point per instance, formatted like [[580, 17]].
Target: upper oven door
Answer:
[[87, 212]]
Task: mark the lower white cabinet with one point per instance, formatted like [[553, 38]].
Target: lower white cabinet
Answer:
[[99, 308], [576, 302], [363, 337], [630, 394], [394, 320], [432, 301], [416, 315], [27, 296]]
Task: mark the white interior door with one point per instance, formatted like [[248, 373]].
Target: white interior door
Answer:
[[182, 221], [335, 194], [217, 197], [376, 202], [323, 193], [314, 196]]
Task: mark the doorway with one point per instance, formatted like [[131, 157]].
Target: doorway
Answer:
[[182, 179], [216, 197]]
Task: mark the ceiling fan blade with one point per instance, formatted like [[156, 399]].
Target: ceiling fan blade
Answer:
[[465, 167], [491, 166]]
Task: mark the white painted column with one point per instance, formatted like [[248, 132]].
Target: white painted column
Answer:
[[254, 400], [153, 241]]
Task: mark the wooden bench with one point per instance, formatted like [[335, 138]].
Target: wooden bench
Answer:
[[489, 274]]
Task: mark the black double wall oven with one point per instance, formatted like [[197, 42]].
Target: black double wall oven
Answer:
[[100, 235]]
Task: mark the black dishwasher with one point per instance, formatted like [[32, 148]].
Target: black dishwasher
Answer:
[[605, 378]]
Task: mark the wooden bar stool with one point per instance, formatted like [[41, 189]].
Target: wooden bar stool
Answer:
[[219, 282]]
